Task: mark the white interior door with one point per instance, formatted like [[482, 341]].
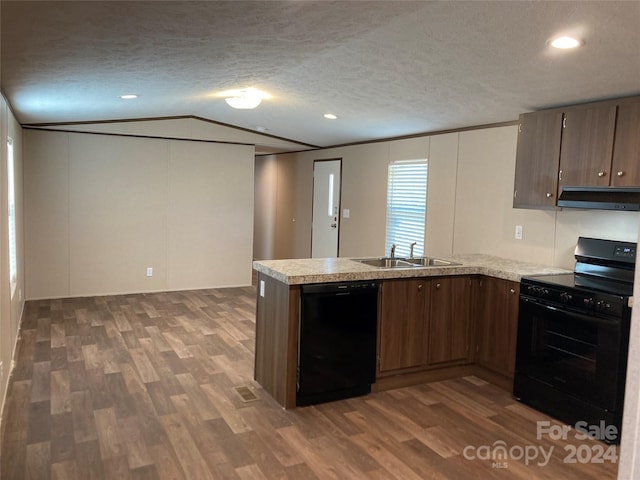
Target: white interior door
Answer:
[[326, 208]]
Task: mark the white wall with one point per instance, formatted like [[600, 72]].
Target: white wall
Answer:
[[291, 238], [600, 224], [441, 194], [469, 201], [484, 218], [100, 209], [276, 209], [266, 171], [11, 301], [210, 215]]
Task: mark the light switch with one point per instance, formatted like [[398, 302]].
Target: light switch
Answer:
[[345, 213], [262, 288]]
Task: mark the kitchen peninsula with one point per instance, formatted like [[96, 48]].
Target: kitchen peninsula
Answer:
[[461, 318]]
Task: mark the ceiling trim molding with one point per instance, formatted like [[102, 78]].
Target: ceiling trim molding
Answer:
[[43, 127], [405, 137], [135, 135], [285, 139], [175, 117], [428, 134], [592, 103]]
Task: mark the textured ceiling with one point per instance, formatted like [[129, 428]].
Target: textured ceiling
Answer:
[[386, 68]]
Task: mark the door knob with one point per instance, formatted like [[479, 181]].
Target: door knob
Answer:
[[334, 225], [549, 195]]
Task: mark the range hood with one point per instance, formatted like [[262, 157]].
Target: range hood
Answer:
[[601, 198]]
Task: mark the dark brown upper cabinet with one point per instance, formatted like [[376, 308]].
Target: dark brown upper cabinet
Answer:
[[587, 146], [625, 169], [596, 144], [536, 181]]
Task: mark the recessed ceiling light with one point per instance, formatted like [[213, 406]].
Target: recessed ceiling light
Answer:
[[330, 116], [566, 42], [261, 129], [129, 96]]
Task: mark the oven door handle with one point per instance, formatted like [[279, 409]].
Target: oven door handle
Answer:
[[573, 315]]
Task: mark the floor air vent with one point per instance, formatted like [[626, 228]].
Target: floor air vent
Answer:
[[246, 394]]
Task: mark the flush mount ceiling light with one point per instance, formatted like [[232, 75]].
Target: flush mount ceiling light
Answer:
[[330, 116], [245, 98], [128, 96], [243, 102], [566, 42]]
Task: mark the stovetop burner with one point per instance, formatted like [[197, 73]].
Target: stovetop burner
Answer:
[[576, 281], [601, 283]]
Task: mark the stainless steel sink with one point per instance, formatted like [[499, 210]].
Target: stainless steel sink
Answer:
[[385, 262], [417, 262], [431, 262]]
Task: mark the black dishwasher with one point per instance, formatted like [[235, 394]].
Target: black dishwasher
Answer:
[[336, 341]]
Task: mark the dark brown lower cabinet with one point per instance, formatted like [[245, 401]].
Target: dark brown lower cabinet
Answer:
[[402, 326], [424, 323], [449, 320], [496, 325]]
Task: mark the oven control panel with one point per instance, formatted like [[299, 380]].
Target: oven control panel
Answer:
[[624, 251], [605, 252]]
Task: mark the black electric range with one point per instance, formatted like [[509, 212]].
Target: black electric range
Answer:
[[573, 336]]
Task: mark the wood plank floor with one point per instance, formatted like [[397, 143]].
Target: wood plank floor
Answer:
[[142, 387]]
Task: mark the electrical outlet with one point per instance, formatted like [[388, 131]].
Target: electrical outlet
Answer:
[[149, 271], [518, 232], [262, 288]]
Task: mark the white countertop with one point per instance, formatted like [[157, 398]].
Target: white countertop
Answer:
[[324, 270]]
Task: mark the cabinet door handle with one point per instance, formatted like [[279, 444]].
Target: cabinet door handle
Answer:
[[621, 174], [602, 174], [549, 195], [420, 287], [437, 285], [512, 290]]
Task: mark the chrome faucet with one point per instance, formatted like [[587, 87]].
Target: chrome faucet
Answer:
[[411, 245], [392, 254]]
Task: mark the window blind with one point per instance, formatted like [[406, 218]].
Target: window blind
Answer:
[[406, 206]]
